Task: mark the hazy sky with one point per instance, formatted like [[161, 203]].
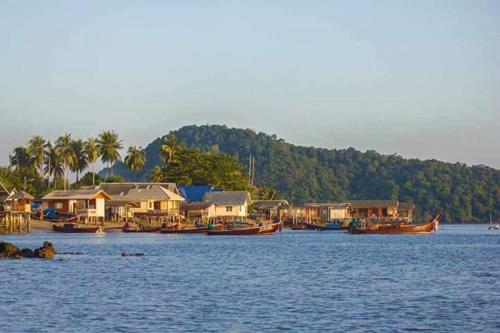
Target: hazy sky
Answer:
[[417, 78]]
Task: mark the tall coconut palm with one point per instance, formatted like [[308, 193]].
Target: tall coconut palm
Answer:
[[157, 175], [93, 154], [109, 147], [268, 193], [66, 154], [36, 149], [169, 148], [135, 159], [47, 167], [53, 165], [80, 157], [20, 158]]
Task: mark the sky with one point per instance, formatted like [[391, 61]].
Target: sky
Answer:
[[416, 78]]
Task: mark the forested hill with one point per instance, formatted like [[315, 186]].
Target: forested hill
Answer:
[[308, 174]]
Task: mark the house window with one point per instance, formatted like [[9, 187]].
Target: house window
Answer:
[[92, 204], [58, 205], [229, 209]]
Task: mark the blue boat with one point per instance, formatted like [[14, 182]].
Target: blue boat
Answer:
[[330, 225]]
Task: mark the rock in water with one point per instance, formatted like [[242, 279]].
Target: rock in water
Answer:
[[8, 250], [27, 253], [47, 251]]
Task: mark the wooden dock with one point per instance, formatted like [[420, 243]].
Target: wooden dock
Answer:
[[15, 221]]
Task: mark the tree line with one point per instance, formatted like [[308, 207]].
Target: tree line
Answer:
[[48, 165], [307, 174], [40, 165]]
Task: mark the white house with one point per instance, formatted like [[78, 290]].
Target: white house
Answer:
[[87, 204], [230, 204], [134, 200]]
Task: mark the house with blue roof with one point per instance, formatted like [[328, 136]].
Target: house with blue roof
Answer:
[[195, 193]]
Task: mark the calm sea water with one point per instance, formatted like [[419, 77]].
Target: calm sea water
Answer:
[[295, 281]]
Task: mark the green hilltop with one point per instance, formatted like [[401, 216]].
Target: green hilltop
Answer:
[[307, 174]]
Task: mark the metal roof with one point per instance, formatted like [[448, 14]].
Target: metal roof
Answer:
[[195, 192], [229, 198], [141, 191], [373, 203], [81, 194], [327, 205], [270, 204], [198, 205], [20, 195]]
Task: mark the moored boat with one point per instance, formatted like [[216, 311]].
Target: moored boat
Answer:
[[332, 226], [138, 229], [269, 228], [311, 226], [198, 230], [493, 226], [76, 228], [421, 228], [298, 226], [234, 231], [53, 215]]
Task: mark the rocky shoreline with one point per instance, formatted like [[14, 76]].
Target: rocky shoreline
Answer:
[[10, 251]]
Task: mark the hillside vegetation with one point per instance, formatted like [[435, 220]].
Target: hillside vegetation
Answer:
[[308, 174]]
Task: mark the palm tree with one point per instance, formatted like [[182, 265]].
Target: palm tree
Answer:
[[156, 174], [36, 149], [268, 193], [20, 158], [80, 158], [109, 146], [53, 164], [66, 154], [47, 162], [135, 159], [169, 148], [93, 154]]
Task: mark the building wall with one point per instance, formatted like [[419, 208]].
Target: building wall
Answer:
[[68, 205], [165, 205], [100, 205], [338, 213], [171, 205], [221, 211], [61, 205]]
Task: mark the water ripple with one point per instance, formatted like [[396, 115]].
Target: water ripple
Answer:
[[296, 281]]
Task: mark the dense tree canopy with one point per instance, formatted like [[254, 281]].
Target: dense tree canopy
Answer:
[[192, 166], [307, 174]]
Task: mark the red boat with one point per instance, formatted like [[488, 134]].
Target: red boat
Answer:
[[269, 228], [234, 231], [76, 228], [201, 230], [397, 229], [137, 229]]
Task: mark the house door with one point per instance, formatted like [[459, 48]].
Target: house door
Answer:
[[157, 205]]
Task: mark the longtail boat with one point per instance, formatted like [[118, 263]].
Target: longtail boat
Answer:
[[200, 230], [332, 226], [299, 226], [395, 229], [269, 228], [138, 229], [76, 228], [234, 231]]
